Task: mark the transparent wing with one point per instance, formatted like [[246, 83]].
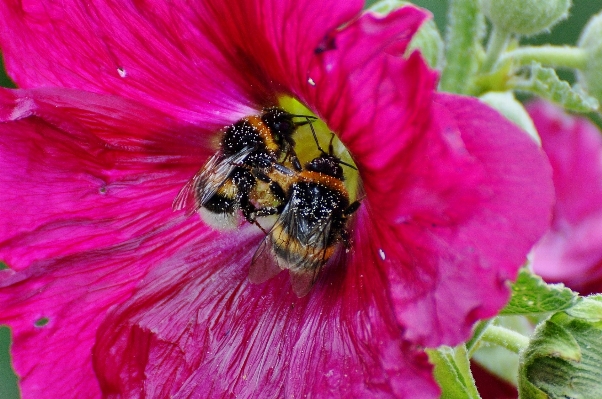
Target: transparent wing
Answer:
[[207, 181], [265, 264], [294, 245]]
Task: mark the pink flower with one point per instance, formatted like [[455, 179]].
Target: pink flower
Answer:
[[119, 105], [571, 251]]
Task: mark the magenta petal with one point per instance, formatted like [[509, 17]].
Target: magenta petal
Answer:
[[198, 328], [454, 273], [81, 168], [571, 252], [457, 195], [87, 185], [201, 61]]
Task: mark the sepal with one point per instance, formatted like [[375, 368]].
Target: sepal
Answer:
[[544, 82]]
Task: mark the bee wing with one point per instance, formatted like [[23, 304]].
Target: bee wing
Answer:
[[265, 263], [302, 282], [302, 250], [205, 183]]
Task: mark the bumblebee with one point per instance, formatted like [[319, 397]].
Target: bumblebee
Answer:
[[311, 224], [227, 182]]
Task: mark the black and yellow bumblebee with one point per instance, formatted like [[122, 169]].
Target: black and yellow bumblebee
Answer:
[[227, 182], [312, 222]]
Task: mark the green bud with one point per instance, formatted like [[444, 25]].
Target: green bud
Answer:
[[525, 17], [590, 76], [507, 105], [427, 40]]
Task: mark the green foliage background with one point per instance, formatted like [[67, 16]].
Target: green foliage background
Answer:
[[567, 32]]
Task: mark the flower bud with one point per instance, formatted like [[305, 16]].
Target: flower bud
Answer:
[[513, 110], [427, 40], [525, 17], [590, 77]]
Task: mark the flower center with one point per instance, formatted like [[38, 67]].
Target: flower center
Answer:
[[308, 150]]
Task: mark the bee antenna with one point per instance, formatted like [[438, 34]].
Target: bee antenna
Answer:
[[305, 116], [313, 132], [348, 165], [308, 119], [330, 147]]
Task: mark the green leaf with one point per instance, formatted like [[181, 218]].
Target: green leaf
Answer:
[[544, 82], [531, 295], [564, 357], [590, 308], [452, 371]]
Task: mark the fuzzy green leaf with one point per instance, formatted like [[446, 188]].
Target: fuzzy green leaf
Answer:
[[590, 308], [544, 82], [563, 359], [452, 372], [531, 295]]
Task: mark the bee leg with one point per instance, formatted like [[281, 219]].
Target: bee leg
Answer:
[[295, 162], [345, 238], [250, 212], [277, 190], [262, 176], [350, 210], [266, 211]]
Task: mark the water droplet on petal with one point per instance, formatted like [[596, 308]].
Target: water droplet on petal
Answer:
[[311, 82], [382, 255], [122, 72]]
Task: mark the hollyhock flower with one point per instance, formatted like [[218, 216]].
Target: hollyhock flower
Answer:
[[571, 251], [110, 293]]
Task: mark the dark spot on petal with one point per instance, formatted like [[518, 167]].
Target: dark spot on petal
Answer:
[[327, 44], [102, 190], [41, 322]]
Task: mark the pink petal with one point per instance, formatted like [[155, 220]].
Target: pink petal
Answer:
[[571, 252], [205, 61], [86, 210], [81, 168], [198, 328], [456, 195], [454, 266]]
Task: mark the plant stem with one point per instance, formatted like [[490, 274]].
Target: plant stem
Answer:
[[555, 56], [461, 45], [505, 338], [471, 345], [498, 40]]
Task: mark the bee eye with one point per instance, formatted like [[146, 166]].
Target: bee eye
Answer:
[[282, 126]]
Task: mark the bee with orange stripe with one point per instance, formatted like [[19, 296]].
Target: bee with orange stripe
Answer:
[[226, 183], [311, 224]]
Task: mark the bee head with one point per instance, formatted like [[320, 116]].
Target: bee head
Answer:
[[326, 164], [279, 121]]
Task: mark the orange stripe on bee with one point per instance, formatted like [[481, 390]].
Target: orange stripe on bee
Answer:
[[264, 132], [228, 189], [291, 245], [333, 183]]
